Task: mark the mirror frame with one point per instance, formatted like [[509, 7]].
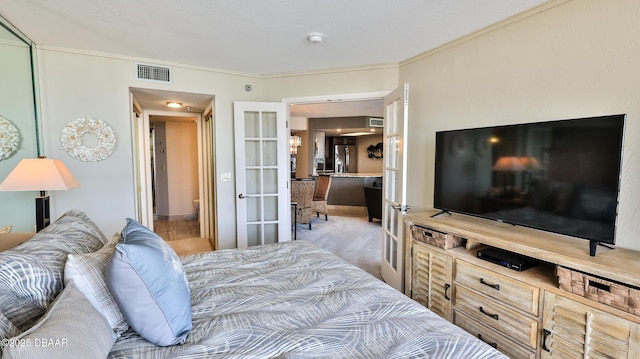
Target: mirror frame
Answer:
[[18, 207]]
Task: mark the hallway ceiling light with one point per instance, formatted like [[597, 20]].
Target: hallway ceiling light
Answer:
[[315, 37], [174, 104]]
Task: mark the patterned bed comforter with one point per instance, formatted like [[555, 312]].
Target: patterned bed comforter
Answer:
[[295, 300]]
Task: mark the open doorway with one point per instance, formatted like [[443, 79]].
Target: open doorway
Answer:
[[348, 215], [174, 177], [174, 166]]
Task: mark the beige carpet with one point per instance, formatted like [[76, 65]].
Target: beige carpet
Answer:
[[352, 238]]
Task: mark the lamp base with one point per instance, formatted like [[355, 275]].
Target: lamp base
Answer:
[[42, 212]]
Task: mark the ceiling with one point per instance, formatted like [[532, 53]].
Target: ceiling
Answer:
[[257, 37]]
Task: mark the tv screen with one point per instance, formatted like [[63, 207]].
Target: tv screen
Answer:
[[558, 176]]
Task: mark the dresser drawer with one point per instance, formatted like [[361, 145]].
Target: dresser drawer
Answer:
[[486, 312], [512, 292], [508, 347]]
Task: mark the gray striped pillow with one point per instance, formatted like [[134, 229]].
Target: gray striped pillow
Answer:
[[86, 271], [7, 330], [71, 328], [31, 274]]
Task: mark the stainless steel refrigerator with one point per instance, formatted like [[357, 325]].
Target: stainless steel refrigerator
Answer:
[[346, 158]]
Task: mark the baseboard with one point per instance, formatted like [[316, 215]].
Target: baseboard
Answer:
[[178, 217], [350, 211]]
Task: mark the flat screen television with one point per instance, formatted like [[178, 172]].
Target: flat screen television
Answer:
[[557, 176]]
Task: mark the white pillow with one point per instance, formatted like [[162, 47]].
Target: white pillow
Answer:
[[87, 271], [71, 328]]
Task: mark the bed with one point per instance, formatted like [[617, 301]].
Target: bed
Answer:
[[285, 300]]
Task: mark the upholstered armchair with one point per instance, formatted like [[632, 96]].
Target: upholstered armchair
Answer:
[[323, 184], [302, 192]]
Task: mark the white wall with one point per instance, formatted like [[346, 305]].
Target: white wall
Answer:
[[366, 164], [579, 59], [348, 81], [182, 167], [75, 84], [82, 84]]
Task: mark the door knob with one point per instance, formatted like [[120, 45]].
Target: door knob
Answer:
[[401, 207], [241, 196]]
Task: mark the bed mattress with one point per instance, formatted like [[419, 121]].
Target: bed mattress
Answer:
[[295, 300]]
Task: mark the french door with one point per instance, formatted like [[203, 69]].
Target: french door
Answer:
[[262, 196], [394, 181]]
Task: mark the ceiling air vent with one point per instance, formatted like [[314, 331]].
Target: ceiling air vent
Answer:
[[376, 122], [153, 73]]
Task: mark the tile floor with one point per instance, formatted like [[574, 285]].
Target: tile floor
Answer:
[[182, 235]]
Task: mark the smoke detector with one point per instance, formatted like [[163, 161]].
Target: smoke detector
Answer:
[[315, 37]]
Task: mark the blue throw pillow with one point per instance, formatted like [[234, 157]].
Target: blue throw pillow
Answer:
[[150, 287]]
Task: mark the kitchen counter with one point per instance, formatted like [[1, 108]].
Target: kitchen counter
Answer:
[[354, 174], [347, 189]]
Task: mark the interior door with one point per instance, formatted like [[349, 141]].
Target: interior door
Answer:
[[262, 195], [395, 180]]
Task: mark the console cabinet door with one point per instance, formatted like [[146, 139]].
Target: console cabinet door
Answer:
[[432, 278], [575, 330]]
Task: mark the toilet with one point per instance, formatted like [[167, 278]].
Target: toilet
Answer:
[[196, 205]]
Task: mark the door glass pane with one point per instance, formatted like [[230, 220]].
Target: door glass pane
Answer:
[[270, 183], [396, 152], [394, 254], [392, 122], [392, 152], [270, 233], [397, 188], [392, 216], [252, 153], [251, 124], [270, 208], [253, 181], [269, 125], [270, 153], [391, 180], [254, 237], [253, 209], [387, 247], [394, 224]]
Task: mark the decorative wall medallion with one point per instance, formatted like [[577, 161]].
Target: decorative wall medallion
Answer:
[[72, 135], [9, 138], [458, 145], [482, 146]]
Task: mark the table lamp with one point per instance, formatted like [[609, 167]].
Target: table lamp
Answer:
[[508, 165], [40, 174]]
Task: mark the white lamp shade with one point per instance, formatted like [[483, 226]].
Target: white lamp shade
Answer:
[[530, 163], [508, 164], [39, 174]]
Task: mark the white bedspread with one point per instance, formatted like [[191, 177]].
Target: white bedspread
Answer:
[[295, 300]]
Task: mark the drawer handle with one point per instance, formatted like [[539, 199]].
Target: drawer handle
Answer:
[[494, 316], [447, 286], [427, 234], [494, 286], [494, 344], [545, 335]]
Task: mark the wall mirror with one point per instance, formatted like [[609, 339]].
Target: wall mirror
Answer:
[[18, 111]]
